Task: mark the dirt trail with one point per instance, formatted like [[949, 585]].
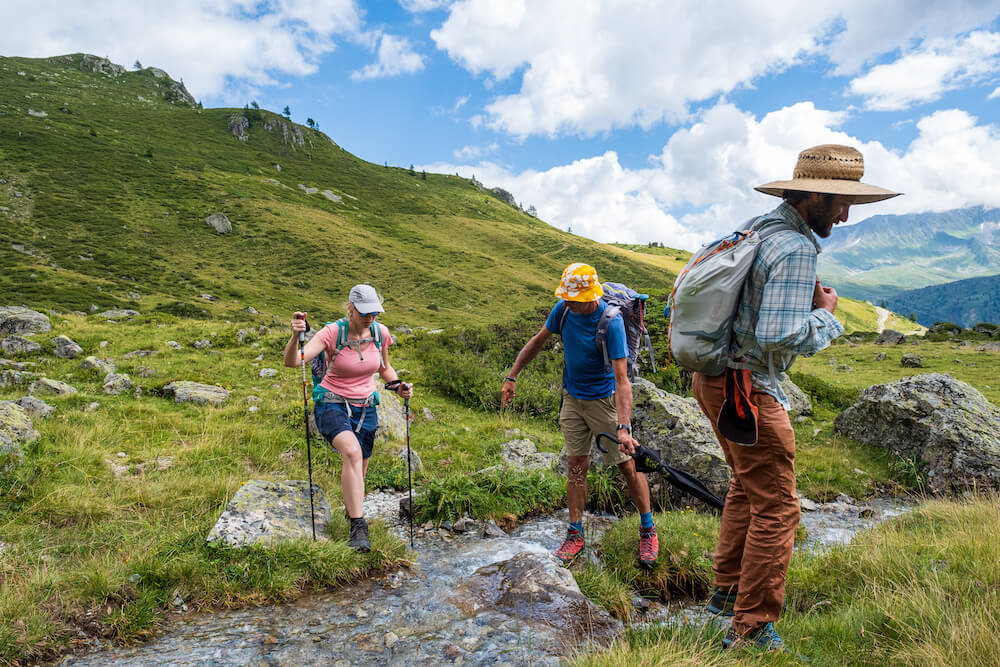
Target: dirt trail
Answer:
[[883, 315]]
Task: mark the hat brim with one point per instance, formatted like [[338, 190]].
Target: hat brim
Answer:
[[369, 307], [860, 193], [592, 294]]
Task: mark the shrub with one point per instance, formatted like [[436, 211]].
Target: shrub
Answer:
[[183, 309], [499, 494], [824, 392]]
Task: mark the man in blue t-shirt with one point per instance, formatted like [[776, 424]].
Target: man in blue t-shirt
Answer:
[[590, 402]]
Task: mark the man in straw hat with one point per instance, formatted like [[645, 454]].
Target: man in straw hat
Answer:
[[785, 312], [594, 400]]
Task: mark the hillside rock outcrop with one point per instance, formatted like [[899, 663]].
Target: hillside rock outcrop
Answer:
[[291, 134], [264, 512], [22, 320], [944, 425], [219, 222], [239, 126], [19, 345]]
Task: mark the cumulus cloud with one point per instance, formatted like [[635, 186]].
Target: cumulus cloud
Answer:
[[395, 56], [995, 94], [417, 6], [216, 47], [594, 66], [925, 74], [700, 186]]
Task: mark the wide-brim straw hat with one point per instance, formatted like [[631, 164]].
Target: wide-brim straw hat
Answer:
[[830, 169]]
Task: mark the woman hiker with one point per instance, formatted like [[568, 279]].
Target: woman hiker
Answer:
[[345, 408]]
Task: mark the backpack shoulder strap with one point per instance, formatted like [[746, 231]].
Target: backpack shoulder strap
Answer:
[[341, 334], [601, 336], [562, 319]]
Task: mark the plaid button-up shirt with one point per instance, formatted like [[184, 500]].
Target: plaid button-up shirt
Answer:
[[776, 317]]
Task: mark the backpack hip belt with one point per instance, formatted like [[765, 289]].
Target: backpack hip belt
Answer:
[[351, 403]]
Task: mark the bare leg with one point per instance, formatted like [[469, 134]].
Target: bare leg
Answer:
[[576, 487], [352, 481], [638, 487], [364, 470]]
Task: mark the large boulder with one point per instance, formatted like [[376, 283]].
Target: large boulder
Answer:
[[185, 391], [18, 345], [536, 589], [46, 385], [522, 454], [890, 337], [266, 513], [391, 421], [15, 423], [944, 425], [66, 347], [219, 222], [11, 378], [798, 400], [10, 454], [21, 320], [676, 428], [97, 365], [35, 407], [117, 383], [118, 314]]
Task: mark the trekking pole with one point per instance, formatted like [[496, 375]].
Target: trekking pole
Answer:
[[305, 417], [409, 467]]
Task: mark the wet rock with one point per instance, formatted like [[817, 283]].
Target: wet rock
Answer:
[[522, 454], [97, 365], [219, 222], [676, 429], [118, 314], [18, 345], [798, 401], [536, 589], [944, 424], [890, 337], [911, 361], [66, 347], [185, 391], [35, 407], [491, 529], [464, 525], [22, 320], [808, 505], [48, 386], [117, 383], [267, 513]]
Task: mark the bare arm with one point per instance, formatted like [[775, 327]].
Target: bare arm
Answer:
[[313, 347], [524, 357], [623, 404]]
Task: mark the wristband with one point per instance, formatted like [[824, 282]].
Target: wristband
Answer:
[[510, 379], [624, 427]]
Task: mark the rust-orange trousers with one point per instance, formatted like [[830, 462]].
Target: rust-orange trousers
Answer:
[[762, 508]]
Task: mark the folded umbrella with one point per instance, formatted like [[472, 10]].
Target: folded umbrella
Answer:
[[647, 460]]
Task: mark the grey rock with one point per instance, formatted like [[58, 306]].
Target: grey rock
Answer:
[[798, 401], [504, 196], [117, 383], [18, 345], [536, 589], [139, 353], [14, 378], [464, 525], [268, 372], [252, 310], [268, 513], [174, 345], [676, 429], [239, 126], [291, 134], [10, 457], [48, 386], [391, 420], [97, 365], [989, 347], [402, 329], [22, 320], [184, 391], [945, 425], [241, 336], [219, 222], [912, 361], [416, 465], [491, 529], [522, 454], [147, 372], [428, 415], [208, 297], [66, 347], [35, 407], [880, 356], [808, 505], [890, 337], [15, 423], [120, 314], [201, 344], [98, 65]]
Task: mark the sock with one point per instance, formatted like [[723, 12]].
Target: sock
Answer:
[[577, 526], [646, 520]]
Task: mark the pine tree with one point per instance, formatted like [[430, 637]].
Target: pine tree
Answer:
[[137, 66], [310, 122], [255, 105], [287, 112]]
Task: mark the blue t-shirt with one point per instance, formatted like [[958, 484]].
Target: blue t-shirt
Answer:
[[586, 376]]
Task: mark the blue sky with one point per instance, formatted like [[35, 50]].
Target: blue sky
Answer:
[[624, 121]]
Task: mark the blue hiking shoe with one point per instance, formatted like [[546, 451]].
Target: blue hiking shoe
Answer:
[[722, 602], [764, 637]]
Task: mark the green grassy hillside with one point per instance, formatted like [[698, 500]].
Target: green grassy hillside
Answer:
[[108, 179]]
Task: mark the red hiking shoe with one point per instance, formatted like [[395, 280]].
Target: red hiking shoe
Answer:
[[572, 547], [649, 547]]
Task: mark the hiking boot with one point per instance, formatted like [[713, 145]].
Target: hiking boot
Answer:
[[572, 547], [722, 602], [649, 547], [763, 637], [359, 536]]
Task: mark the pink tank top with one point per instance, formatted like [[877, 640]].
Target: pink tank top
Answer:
[[350, 373]]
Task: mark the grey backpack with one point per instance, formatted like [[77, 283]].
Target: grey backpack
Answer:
[[707, 294]]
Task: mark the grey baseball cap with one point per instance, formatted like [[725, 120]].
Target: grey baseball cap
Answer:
[[365, 299]]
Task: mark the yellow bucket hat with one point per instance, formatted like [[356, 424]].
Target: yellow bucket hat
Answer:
[[579, 283]]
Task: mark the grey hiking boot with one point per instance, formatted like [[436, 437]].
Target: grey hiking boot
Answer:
[[359, 536]]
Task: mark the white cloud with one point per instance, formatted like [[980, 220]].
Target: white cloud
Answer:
[[700, 185], [395, 56], [217, 47], [593, 66], [995, 94], [467, 153], [926, 74], [460, 102], [417, 6]]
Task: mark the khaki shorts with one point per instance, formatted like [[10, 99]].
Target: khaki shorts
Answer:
[[581, 421]]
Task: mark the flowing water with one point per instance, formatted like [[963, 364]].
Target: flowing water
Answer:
[[405, 617]]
